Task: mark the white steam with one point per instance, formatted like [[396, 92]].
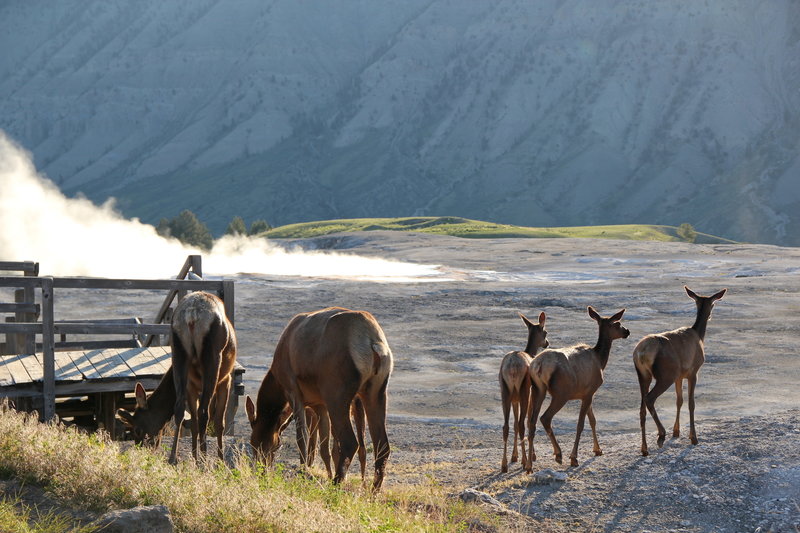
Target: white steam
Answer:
[[74, 237]]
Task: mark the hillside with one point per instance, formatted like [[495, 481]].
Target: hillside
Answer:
[[476, 229], [548, 113]]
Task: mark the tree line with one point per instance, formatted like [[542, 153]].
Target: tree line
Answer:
[[189, 229]]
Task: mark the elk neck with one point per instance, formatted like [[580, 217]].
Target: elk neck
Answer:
[[700, 323], [603, 348]]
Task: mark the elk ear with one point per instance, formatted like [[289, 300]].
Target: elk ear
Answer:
[[542, 318], [691, 293], [141, 396], [719, 295], [616, 317], [593, 314], [525, 319], [250, 407], [125, 417]]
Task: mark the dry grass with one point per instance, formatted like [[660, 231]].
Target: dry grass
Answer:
[[90, 472]]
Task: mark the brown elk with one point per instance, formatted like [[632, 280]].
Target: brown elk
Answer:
[[515, 387], [203, 356], [151, 413], [671, 357], [573, 373], [326, 358]]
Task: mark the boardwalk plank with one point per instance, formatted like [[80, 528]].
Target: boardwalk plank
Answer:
[[6, 379], [65, 368], [109, 364], [17, 370], [163, 356], [32, 366], [83, 362], [141, 362]]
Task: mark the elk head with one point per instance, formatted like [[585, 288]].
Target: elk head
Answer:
[[537, 336], [145, 424]]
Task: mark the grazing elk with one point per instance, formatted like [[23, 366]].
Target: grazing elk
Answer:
[[573, 373], [671, 357], [326, 358], [203, 355], [515, 387], [151, 413]]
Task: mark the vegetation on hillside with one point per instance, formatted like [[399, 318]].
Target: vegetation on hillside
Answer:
[[93, 473], [187, 228], [462, 227]]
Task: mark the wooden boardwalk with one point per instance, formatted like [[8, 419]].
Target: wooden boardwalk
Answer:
[[21, 372]]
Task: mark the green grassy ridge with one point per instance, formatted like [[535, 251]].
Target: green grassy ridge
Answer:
[[476, 229]]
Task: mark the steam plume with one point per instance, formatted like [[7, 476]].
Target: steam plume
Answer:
[[74, 237]]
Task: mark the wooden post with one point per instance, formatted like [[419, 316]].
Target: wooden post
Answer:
[[29, 296], [48, 352], [228, 299], [197, 264]]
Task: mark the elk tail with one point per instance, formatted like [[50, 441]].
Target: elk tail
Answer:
[[379, 351]]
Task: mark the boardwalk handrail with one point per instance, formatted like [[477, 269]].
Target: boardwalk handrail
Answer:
[[48, 327]]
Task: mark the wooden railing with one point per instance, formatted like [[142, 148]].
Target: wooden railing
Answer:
[[48, 327]]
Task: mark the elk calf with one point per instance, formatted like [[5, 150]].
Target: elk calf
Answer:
[[671, 357], [151, 413], [515, 387], [203, 355], [573, 373], [326, 358]]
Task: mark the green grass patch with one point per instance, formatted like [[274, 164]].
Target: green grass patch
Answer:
[[89, 472], [476, 229]]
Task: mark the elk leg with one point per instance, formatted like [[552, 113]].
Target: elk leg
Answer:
[[644, 385], [692, 381], [323, 431], [375, 407], [313, 422], [537, 400], [515, 409], [524, 407], [585, 405], [357, 410], [343, 433], [220, 403], [658, 390], [592, 422], [505, 396], [676, 428], [180, 377], [301, 430], [556, 403]]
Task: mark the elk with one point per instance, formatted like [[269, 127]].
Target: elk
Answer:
[[515, 387], [326, 359], [203, 355], [670, 357], [151, 413], [573, 373]]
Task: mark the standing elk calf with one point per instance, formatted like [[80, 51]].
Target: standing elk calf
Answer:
[[671, 357], [326, 358], [203, 355], [515, 387], [573, 373]]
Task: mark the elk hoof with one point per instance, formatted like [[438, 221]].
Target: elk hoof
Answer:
[[558, 458], [660, 440], [598, 453], [504, 469], [573, 461], [514, 458], [694, 440], [676, 433], [645, 453]]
